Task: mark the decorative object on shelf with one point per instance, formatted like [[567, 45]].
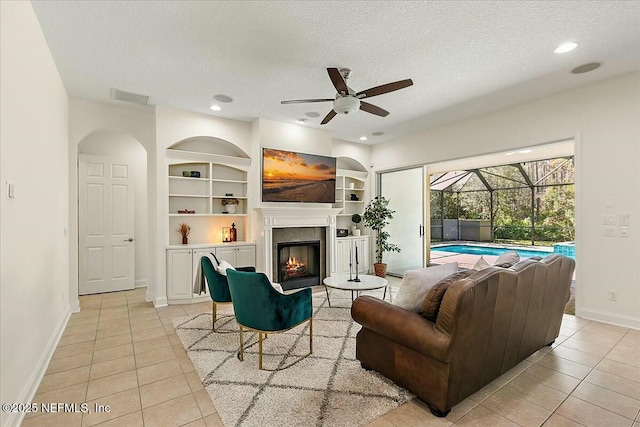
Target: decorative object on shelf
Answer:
[[184, 229], [186, 211], [354, 197], [195, 174], [355, 218], [230, 205], [228, 194], [226, 234], [376, 217], [352, 185], [233, 233], [186, 174], [342, 232]]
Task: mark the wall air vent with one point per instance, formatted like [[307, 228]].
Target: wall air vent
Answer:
[[134, 98]]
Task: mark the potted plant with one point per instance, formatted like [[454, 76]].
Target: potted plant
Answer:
[[230, 205], [376, 217], [184, 229], [355, 218]]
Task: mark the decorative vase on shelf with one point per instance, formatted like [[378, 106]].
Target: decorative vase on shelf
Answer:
[[231, 209], [185, 240]]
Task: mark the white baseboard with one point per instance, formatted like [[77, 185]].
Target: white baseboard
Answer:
[[611, 318], [31, 387], [160, 302], [142, 283]]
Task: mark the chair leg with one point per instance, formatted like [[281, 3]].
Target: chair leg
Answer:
[[310, 335], [214, 313], [241, 352], [260, 350]]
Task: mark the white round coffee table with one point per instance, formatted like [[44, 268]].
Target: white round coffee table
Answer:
[[366, 283]]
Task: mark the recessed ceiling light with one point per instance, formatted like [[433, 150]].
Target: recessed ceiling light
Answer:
[[525, 151], [363, 138], [215, 107], [586, 68], [378, 133], [223, 98], [566, 47], [312, 114], [510, 153], [303, 120]]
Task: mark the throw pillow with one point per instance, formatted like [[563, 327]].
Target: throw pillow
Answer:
[[510, 257], [431, 304], [277, 287], [222, 267], [416, 284], [480, 264]]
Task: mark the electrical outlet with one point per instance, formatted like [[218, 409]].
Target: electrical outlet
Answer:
[[608, 231], [609, 220], [613, 295], [625, 219]]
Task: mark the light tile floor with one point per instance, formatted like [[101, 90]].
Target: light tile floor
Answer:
[[121, 351]]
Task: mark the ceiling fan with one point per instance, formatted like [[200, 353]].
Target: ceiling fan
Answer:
[[347, 100]]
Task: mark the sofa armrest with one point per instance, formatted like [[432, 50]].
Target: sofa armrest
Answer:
[[402, 326]]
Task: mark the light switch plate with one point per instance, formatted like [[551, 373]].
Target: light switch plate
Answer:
[[625, 219], [624, 231], [608, 231], [609, 220]]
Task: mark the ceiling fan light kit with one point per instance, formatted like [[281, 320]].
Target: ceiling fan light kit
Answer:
[[346, 104], [347, 101]]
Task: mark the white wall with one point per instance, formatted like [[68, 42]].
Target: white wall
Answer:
[[123, 146], [89, 120], [34, 246], [603, 119]]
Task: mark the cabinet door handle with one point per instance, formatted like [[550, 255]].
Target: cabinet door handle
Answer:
[[130, 239]]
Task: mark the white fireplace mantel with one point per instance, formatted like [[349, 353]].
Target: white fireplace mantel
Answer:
[[294, 216]]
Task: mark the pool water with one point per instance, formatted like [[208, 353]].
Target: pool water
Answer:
[[490, 250]]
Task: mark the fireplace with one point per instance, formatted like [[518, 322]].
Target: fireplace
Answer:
[[298, 264]]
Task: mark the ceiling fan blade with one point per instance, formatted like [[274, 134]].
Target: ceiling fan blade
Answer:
[[337, 80], [301, 101], [373, 109], [328, 117], [389, 87]]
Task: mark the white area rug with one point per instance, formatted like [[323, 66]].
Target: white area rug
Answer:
[[328, 388]]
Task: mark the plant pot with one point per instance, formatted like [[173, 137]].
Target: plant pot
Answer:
[[380, 268], [230, 209], [185, 240]]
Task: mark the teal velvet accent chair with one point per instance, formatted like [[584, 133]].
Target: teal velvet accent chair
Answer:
[[218, 286], [260, 308]]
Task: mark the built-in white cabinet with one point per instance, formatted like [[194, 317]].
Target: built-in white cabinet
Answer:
[[182, 266], [346, 252]]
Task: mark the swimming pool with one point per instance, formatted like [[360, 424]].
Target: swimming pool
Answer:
[[490, 250]]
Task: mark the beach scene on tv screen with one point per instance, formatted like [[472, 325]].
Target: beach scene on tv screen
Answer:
[[297, 177]]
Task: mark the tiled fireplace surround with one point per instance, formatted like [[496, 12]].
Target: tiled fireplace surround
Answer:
[[297, 224]]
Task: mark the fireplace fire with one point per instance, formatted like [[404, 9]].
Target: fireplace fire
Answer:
[[299, 264]]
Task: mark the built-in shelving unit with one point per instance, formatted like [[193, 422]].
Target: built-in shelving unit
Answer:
[[350, 197], [205, 194]]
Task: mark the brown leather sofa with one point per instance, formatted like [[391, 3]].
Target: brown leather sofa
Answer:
[[487, 323]]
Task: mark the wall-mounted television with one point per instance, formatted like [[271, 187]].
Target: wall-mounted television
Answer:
[[297, 177]]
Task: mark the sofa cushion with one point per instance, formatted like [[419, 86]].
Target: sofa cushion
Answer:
[[431, 304], [416, 284]]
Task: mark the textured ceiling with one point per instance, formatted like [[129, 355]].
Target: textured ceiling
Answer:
[[465, 57]]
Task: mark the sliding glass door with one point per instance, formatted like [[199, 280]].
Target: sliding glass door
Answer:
[[405, 191]]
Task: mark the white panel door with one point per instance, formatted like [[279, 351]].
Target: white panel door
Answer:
[[405, 191], [246, 256], [105, 225]]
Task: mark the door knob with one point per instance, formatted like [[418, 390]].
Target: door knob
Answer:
[[130, 239]]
